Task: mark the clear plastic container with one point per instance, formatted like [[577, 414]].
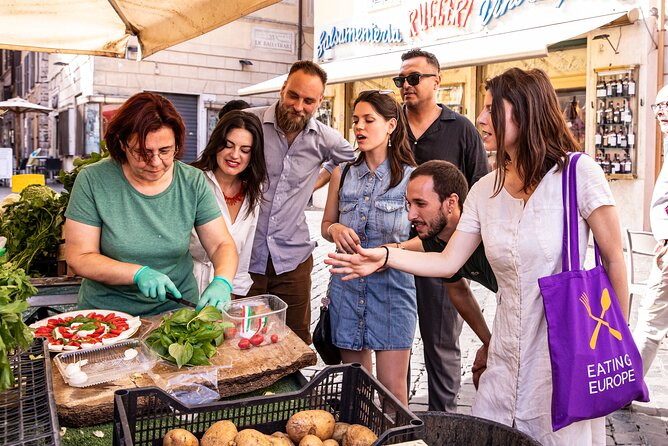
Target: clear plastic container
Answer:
[[258, 320], [84, 368]]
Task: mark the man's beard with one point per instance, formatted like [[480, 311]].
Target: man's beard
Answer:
[[285, 121], [436, 226]]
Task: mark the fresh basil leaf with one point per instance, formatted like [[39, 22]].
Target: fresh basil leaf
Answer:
[[209, 314], [183, 316], [177, 351]]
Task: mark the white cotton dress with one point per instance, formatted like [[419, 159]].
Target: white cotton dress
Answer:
[[523, 242], [243, 233]]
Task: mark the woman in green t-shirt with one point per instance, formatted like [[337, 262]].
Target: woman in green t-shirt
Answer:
[[130, 217]]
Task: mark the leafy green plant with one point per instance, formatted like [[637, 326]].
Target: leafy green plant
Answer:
[[188, 337], [33, 227], [67, 178], [15, 289]]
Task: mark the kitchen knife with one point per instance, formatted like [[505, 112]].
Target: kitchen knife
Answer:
[[185, 302]]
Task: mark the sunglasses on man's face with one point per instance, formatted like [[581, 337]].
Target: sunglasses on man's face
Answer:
[[412, 79]]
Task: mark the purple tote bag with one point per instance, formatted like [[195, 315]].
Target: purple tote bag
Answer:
[[596, 367]]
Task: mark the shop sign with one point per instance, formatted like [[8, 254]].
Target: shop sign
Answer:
[[439, 13], [273, 39], [361, 34], [494, 9]]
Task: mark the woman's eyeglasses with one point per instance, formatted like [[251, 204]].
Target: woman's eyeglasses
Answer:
[[660, 107], [164, 154], [413, 79]]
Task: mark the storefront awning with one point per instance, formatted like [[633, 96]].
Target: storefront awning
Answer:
[[478, 49]]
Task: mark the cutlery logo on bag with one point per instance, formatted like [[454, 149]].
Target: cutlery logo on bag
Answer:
[[605, 305]]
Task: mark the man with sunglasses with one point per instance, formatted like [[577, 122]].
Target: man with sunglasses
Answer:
[[652, 325], [438, 133]]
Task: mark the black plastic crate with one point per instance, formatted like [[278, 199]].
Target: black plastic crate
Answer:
[[28, 411], [143, 416]]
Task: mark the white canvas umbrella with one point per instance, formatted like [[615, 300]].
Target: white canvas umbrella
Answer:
[[103, 27], [18, 106]]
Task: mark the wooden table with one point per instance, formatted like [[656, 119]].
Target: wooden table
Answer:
[[251, 369]]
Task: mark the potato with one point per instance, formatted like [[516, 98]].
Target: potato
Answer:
[[280, 439], [315, 422], [251, 437], [330, 442], [340, 429], [220, 433], [358, 435], [310, 440], [179, 437]]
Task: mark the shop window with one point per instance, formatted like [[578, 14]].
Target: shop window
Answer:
[[324, 113], [572, 106], [451, 95]]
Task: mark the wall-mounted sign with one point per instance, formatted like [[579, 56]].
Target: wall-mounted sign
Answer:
[[361, 34], [494, 9], [440, 13], [274, 39]]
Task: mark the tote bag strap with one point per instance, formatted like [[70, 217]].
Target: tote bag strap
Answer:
[[570, 258]]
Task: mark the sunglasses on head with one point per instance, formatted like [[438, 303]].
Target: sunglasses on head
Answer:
[[413, 79]]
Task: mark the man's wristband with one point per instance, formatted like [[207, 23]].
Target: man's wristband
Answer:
[[387, 255], [225, 281], [139, 271], [328, 228]]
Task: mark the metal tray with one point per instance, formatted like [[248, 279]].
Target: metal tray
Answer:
[[105, 364]]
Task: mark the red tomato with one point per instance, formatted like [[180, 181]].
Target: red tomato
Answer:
[[244, 343], [274, 338], [257, 339], [230, 332], [74, 344]]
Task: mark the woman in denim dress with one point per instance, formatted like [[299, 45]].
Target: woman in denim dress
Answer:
[[376, 313]]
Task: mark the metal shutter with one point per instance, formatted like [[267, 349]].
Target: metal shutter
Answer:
[[186, 105]]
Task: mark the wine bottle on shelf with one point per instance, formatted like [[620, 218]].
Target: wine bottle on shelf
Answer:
[[622, 139], [627, 115], [625, 85], [609, 87], [600, 88], [609, 113], [598, 138], [612, 138], [616, 164], [628, 166], [605, 137], [620, 86], [606, 164], [631, 138], [632, 86], [616, 115]]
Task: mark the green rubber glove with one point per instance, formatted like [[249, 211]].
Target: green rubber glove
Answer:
[[218, 294], [155, 284]]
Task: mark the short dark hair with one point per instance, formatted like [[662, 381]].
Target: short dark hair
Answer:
[[140, 115], [234, 104], [309, 67], [256, 172], [448, 179], [417, 52]]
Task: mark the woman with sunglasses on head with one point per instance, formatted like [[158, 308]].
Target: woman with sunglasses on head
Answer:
[[517, 212], [234, 166], [130, 217], [379, 314]]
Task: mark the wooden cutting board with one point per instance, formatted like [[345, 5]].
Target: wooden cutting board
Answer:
[[251, 369]]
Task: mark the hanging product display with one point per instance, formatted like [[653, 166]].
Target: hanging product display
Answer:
[[616, 110]]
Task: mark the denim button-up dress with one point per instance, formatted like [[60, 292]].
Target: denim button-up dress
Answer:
[[377, 312]]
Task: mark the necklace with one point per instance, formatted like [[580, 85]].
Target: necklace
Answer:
[[233, 200]]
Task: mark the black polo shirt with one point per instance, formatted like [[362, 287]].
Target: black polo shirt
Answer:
[[452, 137], [476, 267]]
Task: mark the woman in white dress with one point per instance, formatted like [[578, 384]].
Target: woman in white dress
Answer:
[[234, 166], [517, 212]]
